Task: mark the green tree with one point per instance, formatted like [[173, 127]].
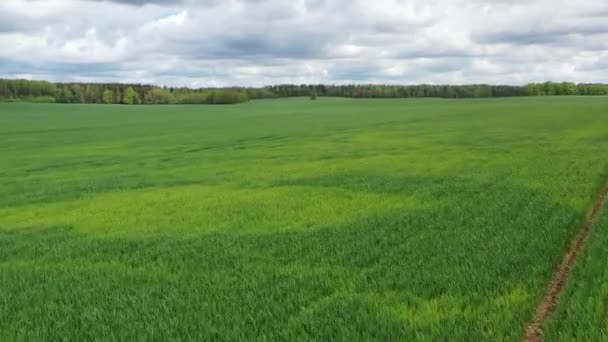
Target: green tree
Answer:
[[569, 88], [75, 94], [158, 96], [130, 96], [313, 93], [226, 96], [5, 92], [107, 97]]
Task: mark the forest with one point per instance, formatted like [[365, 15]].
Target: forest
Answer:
[[119, 93]]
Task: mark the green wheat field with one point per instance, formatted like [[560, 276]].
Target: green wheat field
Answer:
[[291, 219]]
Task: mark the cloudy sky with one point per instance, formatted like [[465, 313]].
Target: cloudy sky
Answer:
[[262, 42]]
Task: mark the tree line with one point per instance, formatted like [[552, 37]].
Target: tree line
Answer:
[[441, 91], [118, 93]]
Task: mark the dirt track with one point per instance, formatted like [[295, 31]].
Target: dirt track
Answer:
[[534, 330]]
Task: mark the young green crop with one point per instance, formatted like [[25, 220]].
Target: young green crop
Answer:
[[583, 309], [290, 219]]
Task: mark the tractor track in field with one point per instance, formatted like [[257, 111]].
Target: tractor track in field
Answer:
[[534, 330]]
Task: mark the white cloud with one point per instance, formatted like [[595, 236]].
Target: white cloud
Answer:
[[258, 42]]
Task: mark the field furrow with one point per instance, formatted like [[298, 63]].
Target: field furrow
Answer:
[[534, 331]]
